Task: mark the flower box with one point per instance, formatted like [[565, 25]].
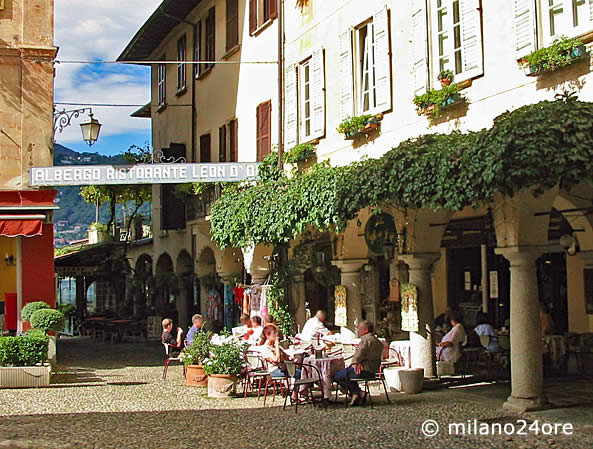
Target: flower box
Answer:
[[448, 102], [576, 54], [25, 376], [371, 124]]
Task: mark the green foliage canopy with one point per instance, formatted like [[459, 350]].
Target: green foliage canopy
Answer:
[[32, 307], [536, 146]]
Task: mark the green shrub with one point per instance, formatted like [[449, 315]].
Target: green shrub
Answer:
[[31, 308], [25, 350], [199, 350], [226, 359], [299, 152], [48, 320]]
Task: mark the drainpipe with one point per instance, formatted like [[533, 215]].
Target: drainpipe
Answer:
[[194, 153], [19, 284], [280, 82]]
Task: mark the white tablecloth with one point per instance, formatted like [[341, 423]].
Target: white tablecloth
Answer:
[[327, 368], [403, 348]]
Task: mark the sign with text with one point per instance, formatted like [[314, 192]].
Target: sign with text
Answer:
[[143, 174]]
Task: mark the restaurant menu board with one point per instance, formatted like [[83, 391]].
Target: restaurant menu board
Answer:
[[341, 316], [409, 307]]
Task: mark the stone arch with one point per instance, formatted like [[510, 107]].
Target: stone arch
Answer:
[[165, 287], [565, 201], [256, 261], [232, 261], [185, 283]]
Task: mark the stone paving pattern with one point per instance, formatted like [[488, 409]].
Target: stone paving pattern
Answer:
[[112, 396]]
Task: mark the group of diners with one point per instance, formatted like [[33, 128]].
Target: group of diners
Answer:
[[266, 339]]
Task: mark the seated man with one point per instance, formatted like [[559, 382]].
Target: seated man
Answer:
[[366, 362], [167, 337], [197, 324], [449, 349], [314, 327]]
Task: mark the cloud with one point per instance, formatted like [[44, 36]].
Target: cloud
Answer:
[[100, 31]]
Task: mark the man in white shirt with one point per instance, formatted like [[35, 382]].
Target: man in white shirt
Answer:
[[314, 327]]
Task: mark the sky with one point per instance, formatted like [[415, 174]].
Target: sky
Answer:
[[100, 31]]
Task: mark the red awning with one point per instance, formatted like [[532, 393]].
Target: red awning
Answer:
[[24, 225]]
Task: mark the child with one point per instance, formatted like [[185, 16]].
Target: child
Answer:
[[167, 337]]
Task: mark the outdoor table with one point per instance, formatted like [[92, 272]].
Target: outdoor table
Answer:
[[403, 348], [327, 366]]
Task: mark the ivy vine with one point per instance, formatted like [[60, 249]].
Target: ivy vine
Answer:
[[536, 146]]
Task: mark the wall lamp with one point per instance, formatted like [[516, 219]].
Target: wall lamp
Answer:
[[10, 260]]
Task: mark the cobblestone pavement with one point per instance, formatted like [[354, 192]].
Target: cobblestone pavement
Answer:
[[112, 396]]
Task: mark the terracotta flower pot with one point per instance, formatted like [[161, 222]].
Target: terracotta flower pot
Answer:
[[195, 376], [221, 385], [445, 82]]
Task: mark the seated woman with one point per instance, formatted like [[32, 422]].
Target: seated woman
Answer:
[[274, 356], [254, 335], [449, 349]]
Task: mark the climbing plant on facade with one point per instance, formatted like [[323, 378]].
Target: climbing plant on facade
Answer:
[[537, 146]]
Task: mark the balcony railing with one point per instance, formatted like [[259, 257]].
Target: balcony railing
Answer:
[[199, 206]]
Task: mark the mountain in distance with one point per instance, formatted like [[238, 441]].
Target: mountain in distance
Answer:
[[74, 215]]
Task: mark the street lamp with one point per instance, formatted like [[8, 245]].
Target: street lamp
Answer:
[[90, 129]]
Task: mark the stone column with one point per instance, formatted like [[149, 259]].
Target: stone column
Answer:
[[587, 256], [298, 298], [526, 335], [423, 354], [350, 278]]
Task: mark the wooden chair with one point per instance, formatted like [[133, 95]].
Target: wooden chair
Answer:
[[170, 359]]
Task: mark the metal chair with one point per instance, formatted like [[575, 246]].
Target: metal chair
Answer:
[[296, 384], [366, 381], [171, 359], [394, 359], [255, 369]]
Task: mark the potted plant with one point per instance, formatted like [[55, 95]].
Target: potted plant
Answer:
[[222, 369], [193, 358], [563, 52], [22, 361], [445, 77], [300, 152], [433, 101], [354, 126], [49, 320]]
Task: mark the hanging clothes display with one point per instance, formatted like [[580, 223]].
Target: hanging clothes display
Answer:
[[246, 298], [263, 306], [229, 303], [255, 300], [214, 306], [239, 291]]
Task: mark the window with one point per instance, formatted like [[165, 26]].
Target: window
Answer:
[[162, 83], [227, 142], [305, 100], [198, 48], [222, 144], [305, 96], [232, 24], [260, 12], [564, 18], [264, 130], [457, 38], [367, 50], [549, 20], [205, 155], [210, 33], [181, 81]]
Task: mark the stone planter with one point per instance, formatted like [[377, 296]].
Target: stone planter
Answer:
[[221, 386], [25, 376], [411, 380], [195, 376]]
